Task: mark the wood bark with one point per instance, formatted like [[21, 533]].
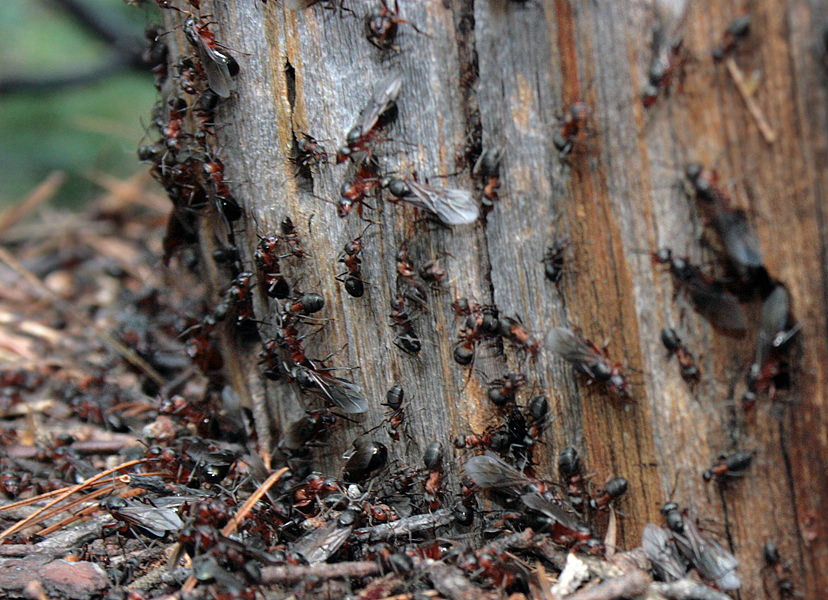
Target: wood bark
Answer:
[[507, 71]]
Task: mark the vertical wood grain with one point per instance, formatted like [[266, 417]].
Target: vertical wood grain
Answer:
[[510, 70]]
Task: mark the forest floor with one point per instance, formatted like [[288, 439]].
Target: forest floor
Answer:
[[128, 470]]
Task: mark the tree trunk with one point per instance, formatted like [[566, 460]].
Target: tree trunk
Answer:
[[504, 72]]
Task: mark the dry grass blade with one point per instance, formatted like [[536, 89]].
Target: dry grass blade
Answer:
[[231, 526], [126, 192], [756, 112], [89, 509], [34, 517], [35, 499], [42, 193], [69, 313]]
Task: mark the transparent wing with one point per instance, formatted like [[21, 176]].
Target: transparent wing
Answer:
[[559, 514], [157, 521], [452, 206], [772, 320], [657, 545], [563, 342], [343, 393], [718, 305], [712, 561], [491, 472], [217, 66], [384, 96], [319, 545], [740, 242]]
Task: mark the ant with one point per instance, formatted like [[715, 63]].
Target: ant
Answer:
[[737, 30], [478, 322], [267, 261], [303, 306], [537, 412], [708, 296], [569, 469], [381, 26], [773, 561], [291, 238], [380, 112], [473, 440], [589, 361], [311, 152], [368, 456], [432, 273], [305, 431], [407, 272], [354, 284], [573, 122], [174, 127], [354, 192], [433, 460], [731, 465], [503, 390], [668, 61], [220, 66], [740, 243], [214, 173], [155, 56], [487, 168], [407, 340], [687, 364], [553, 259], [769, 369], [395, 417], [238, 296], [514, 331], [614, 489]]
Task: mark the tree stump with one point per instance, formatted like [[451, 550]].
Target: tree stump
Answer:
[[502, 74]]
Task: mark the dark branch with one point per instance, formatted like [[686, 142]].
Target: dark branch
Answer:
[[95, 22], [60, 81]]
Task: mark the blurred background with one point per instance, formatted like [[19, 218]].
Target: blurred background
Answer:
[[75, 96]]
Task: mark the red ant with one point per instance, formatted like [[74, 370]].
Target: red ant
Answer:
[[291, 238], [553, 259], [220, 66], [433, 460], [487, 168], [773, 561], [614, 489], [354, 192], [354, 284], [503, 390], [172, 131], [588, 360], [731, 465], [379, 112], [267, 261], [737, 30], [381, 26], [407, 339], [573, 122], [663, 67], [514, 331], [433, 273], [239, 297], [569, 469], [311, 152], [687, 365]]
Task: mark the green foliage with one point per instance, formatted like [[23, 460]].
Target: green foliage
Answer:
[[95, 126]]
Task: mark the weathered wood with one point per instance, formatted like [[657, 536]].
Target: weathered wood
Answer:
[[510, 69]]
